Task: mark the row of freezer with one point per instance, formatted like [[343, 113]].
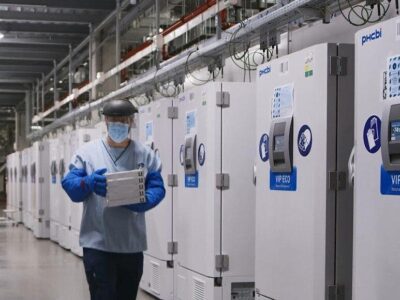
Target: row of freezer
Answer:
[[283, 189], [35, 192], [288, 188]]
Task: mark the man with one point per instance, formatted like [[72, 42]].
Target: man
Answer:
[[113, 239]]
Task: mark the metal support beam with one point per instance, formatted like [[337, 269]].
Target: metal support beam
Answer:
[[50, 18], [37, 98], [28, 112], [157, 52], [28, 69], [55, 91], [55, 81], [70, 76], [74, 4], [40, 40], [17, 80], [33, 97], [43, 28], [42, 104], [17, 130], [91, 96], [13, 91], [118, 42]]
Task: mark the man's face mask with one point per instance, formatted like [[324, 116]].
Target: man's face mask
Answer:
[[118, 131]]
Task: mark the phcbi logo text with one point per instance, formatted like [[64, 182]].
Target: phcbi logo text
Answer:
[[265, 71], [377, 34]]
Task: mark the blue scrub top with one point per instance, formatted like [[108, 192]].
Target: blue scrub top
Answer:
[[113, 229]]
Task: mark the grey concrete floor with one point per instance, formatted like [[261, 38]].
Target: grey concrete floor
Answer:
[[39, 269]]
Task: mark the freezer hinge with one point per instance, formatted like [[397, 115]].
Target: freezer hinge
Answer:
[[222, 263], [172, 247], [223, 99], [222, 181], [172, 112], [41, 148], [41, 212], [337, 181], [338, 66], [41, 179], [172, 180], [336, 292]]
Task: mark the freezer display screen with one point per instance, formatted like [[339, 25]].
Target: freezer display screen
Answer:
[[279, 143], [395, 130]]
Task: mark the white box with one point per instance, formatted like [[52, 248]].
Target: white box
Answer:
[[124, 188]]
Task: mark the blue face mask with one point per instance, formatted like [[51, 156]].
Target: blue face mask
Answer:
[[118, 132]]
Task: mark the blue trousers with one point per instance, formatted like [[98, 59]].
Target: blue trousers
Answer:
[[112, 276]]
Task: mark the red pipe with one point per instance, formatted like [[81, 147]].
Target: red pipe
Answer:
[[190, 16]]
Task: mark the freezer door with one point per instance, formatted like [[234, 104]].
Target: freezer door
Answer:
[[238, 200], [155, 127], [198, 214], [376, 269], [295, 211]]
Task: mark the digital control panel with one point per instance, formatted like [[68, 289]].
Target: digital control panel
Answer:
[[281, 146], [391, 137], [190, 155]]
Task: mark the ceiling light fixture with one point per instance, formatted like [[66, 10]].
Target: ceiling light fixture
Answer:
[[1, 35]]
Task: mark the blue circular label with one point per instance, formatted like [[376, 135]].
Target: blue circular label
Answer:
[[201, 154], [304, 140], [263, 147], [181, 154], [372, 134]]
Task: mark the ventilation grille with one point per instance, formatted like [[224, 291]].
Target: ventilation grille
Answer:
[[155, 277], [198, 290]]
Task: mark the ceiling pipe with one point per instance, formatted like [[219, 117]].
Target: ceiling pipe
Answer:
[[85, 42], [274, 17]]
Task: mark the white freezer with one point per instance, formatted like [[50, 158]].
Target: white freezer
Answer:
[[54, 189], [17, 188], [156, 132], [215, 225], [377, 199], [41, 189], [64, 208], [25, 168], [304, 206], [10, 182]]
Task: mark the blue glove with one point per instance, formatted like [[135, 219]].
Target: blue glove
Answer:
[[78, 185], [97, 182], [155, 192]]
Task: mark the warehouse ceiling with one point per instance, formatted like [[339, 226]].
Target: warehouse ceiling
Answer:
[[37, 34]]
